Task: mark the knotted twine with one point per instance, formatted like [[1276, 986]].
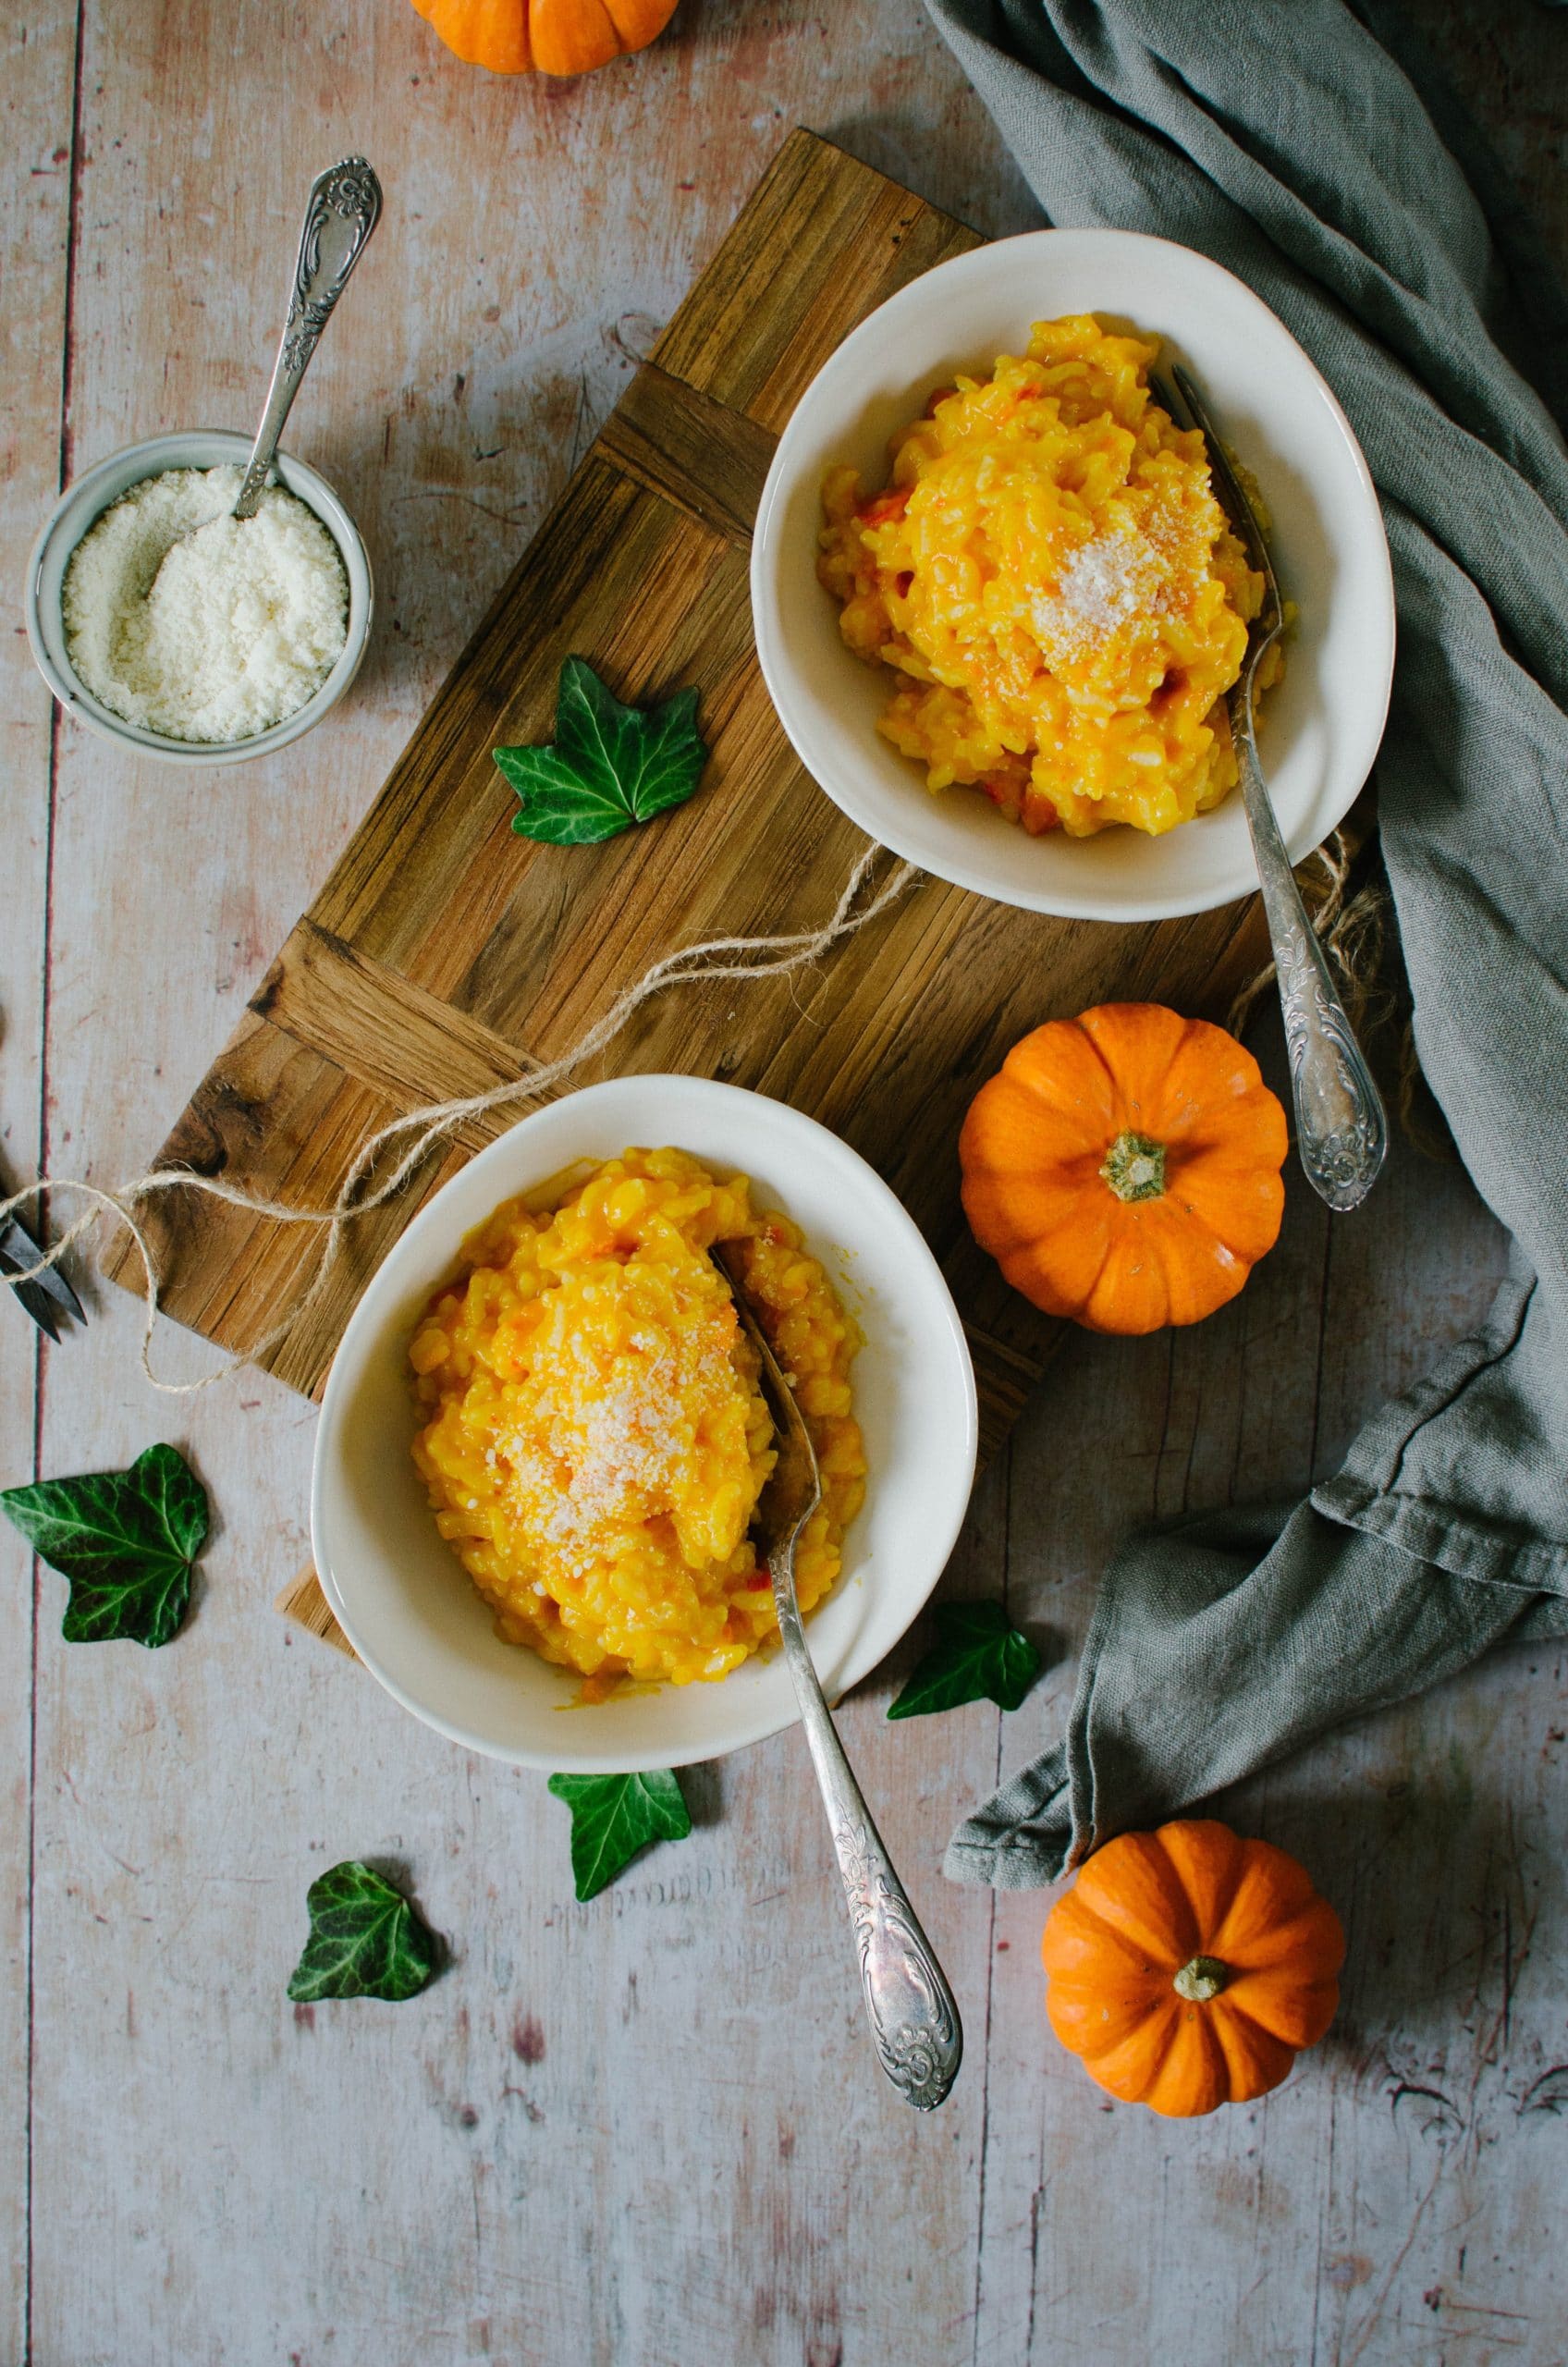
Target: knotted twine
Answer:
[[422, 1130]]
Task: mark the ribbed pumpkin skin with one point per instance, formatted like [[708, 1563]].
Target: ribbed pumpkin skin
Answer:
[[1038, 1133], [546, 36], [1142, 1908]]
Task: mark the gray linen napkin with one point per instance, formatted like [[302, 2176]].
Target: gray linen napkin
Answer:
[[1282, 138]]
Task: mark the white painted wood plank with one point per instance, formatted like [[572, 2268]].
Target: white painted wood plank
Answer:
[[37, 53]]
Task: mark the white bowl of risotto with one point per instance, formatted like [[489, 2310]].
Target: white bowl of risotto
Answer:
[[1057, 599], [445, 1572]]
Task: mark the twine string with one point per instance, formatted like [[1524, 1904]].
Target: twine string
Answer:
[[1353, 931], [428, 1128]]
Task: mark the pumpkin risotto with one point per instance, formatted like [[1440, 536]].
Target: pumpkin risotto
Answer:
[[597, 1438], [1052, 577]]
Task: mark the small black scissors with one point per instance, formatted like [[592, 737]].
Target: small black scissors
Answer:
[[44, 1296]]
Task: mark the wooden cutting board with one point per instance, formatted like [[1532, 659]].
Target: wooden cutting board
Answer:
[[446, 954]]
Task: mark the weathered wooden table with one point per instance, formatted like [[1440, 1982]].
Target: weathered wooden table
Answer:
[[646, 2132]]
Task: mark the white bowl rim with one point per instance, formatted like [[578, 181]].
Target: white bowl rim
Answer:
[[160, 453], [770, 639], [387, 1283]]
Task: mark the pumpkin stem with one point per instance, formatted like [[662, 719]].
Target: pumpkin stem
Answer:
[[1134, 1167], [1204, 1977]]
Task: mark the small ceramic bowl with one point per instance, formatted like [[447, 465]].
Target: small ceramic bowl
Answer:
[[84, 502], [405, 1601], [1321, 725]]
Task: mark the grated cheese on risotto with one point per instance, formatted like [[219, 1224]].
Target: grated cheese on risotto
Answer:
[[212, 639]]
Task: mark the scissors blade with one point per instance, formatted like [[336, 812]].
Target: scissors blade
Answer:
[[18, 1251], [35, 1304]]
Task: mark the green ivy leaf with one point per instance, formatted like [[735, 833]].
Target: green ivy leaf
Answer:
[[610, 766], [613, 1816], [125, 1540], [366, 1940], [980, 1656]]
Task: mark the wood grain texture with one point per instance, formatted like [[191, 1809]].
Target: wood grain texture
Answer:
[[646, 2133], [303, 1602], [698, 453], [441, 933]]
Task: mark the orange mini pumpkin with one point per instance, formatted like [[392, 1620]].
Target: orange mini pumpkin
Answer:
[[1188, 1967], [1123, 1167], [547, 36]]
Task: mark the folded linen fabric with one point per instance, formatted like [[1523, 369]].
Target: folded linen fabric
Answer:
[[1309, 151]]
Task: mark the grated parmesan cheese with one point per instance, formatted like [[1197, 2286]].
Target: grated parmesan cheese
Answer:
[[1117, 578], [219, 638], [620, 1441]]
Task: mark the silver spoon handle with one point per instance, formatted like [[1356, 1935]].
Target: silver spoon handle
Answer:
[[913, 2018], [1340, 1126], [342, 211]]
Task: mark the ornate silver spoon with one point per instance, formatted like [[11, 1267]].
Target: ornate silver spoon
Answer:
[[1340, 1127], [913, 2019], [343, 208]]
